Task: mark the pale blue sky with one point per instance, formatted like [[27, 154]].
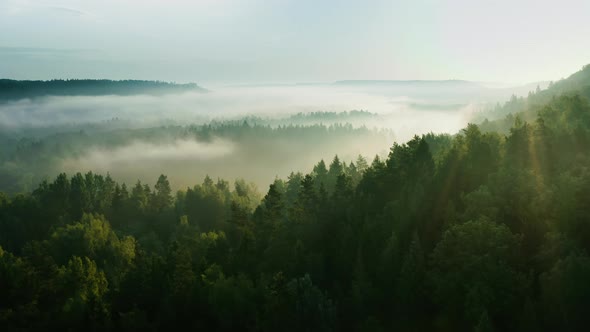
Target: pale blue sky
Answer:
[[238, 41]]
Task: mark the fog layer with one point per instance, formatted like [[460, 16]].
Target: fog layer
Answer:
[[140, 137], [420, 107]]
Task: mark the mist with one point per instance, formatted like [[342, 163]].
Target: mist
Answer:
[[142, 136], [142, 152], [399, 103], [187, 162]]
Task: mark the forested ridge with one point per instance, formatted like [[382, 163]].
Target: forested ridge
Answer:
[[528, 107], [480, 231], [11, 90]]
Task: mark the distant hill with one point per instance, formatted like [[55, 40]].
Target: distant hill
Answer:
[[425, 83], [15, 89]]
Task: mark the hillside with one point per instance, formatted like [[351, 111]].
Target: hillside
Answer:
[[502, 117], [577, 82]]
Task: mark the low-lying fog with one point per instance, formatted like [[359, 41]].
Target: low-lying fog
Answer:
[[187, 162], [441, 107], [401, 109]]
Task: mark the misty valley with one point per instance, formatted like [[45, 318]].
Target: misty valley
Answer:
[[294, 165]]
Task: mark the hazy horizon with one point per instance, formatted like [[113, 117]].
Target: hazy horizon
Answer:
[[238, 41]]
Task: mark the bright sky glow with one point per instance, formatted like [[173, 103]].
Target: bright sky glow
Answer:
[[237, 41]]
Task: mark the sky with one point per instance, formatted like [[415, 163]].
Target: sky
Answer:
[[288, 41]]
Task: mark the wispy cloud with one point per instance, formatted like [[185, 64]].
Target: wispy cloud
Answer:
[[68, 10]]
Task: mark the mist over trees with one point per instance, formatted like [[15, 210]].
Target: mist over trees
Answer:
[[251, 149]]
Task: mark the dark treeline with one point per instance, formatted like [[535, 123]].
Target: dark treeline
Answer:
[[333, 116], [15, 90], [319, 117], [480, 231]]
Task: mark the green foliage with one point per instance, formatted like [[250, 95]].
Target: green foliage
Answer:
[[93, 238], [86, 287], [484, 324], [567, 292], [474, 268]]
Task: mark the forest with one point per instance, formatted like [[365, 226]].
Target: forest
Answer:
[[484, 230]]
